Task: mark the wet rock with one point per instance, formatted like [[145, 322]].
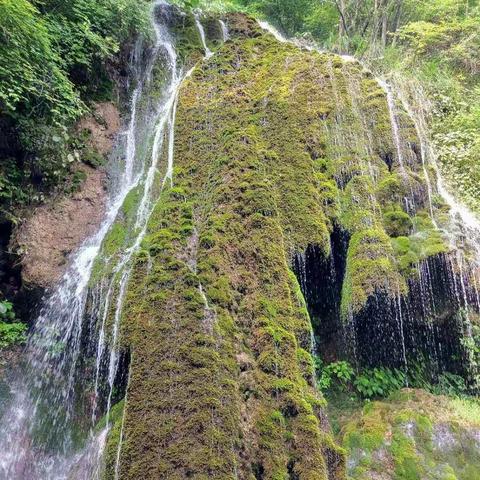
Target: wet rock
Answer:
[[243, 26], [9, 359], [413, 434]]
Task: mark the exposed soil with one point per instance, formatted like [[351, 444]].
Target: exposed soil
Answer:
[[53, 230], [103, 126]]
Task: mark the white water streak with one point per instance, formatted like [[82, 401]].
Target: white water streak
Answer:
[[201, 31], [225, 32], [61, 320]]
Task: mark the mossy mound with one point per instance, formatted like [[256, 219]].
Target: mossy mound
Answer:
[[221, 382], [414, 436]]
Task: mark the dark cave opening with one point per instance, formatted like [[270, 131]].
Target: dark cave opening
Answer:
[[321, 280], [421, 332]]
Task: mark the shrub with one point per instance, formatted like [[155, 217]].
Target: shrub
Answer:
[[379, 382], [11, 332], [341, 372]]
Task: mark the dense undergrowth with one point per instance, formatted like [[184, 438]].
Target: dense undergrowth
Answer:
[[11, 331], [372, 383], [56, 59]]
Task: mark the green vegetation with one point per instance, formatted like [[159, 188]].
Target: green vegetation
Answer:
[[368, 384], [412, 435], [275, 148], [429, 49], [340, 378], [218, 328], [213, 314], [11, 332], [53, 64]]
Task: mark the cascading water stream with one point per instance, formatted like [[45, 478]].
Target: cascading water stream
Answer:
[[225, 32], [459, 213], [38, 433], [201, 31], [455, 273]]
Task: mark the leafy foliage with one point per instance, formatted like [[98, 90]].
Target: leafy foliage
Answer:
[[6, 311], [11, 332], [289, 15], [53, 59], [370, 383], [31, 77], [381, 382], [338, 371]]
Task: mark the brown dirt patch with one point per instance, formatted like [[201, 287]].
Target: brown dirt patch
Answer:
[[103, 126], [54, 230]]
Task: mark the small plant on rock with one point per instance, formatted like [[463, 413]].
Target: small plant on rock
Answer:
[[11, 332], [379, 382]]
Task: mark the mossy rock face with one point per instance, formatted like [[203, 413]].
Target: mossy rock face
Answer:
[[414, 435], [274, 147], [221, 383]]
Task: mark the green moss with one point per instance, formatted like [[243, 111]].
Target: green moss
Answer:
[[91, 157], [405, 458], [424, 241], [371, 269], [411, 436], [397, 223], [274, 147], [390, 190], [254, 305], [113, 438]]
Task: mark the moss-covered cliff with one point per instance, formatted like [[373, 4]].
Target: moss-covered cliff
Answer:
[[274, 229], [277, 149]]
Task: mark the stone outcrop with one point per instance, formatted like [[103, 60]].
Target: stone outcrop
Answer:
[[413, 435]]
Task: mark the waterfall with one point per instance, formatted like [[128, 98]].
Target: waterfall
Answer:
[[390, 330], [225, 32], [394, 124], [42, 431], [461, 217], [271, 29], [201, 31]]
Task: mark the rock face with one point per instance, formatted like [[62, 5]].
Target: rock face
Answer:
[[221, 377], [54, 230], [103, 126], [275, 148], [414, 435], [298, 195]]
